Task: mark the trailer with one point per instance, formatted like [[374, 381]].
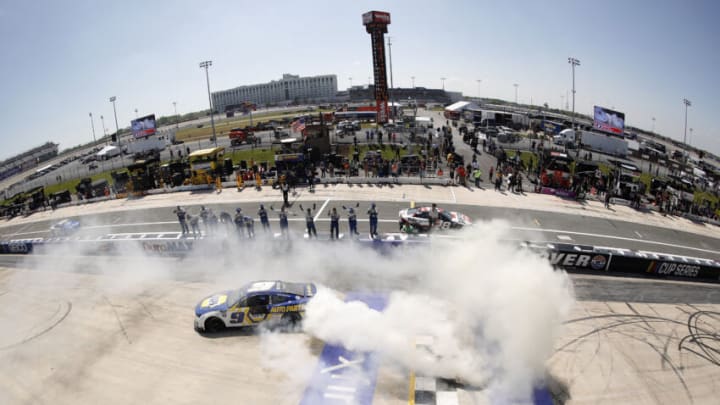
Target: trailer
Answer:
[[608, 144], [142, 147]]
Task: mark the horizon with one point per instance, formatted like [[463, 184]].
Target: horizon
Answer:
[[630, 60]]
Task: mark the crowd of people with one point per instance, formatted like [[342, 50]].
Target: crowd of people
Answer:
[[243, 226]]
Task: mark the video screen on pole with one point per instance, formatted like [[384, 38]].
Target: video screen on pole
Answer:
[[143, 126], [609, 121]]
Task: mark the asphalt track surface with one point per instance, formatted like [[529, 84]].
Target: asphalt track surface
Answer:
[[527, 225], [78, 331]]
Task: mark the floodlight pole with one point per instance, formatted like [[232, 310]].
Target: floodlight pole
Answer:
[[92, 125], [177, 119], [206, 64], [392, 96], [573, 62], [117, 130], [687, 104], [102, 120]]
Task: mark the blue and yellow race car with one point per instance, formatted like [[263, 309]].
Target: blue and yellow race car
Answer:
[[274, 302]]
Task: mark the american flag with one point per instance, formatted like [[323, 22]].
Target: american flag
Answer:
[[298, 125]]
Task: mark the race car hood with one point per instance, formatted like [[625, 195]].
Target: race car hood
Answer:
[[217, 302], [460, 218]]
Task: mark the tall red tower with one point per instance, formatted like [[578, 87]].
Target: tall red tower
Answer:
[[376, 23]]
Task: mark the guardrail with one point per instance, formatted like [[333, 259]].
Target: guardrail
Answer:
[[572, 258]]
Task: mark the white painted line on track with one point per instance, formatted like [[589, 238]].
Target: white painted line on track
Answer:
[[638, 234], [564, 237], [453, 194], [322, 207], [595, 235]]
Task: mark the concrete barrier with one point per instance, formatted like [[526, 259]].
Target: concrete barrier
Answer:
[[572, 258]]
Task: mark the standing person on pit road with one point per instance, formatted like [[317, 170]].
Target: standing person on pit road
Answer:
[[434, 215], [181, 215], [194, 224], [285, 190], [352, 219], [284, 226], [262, 214], [310, 222], [239, 221], [373, 215], [334, 224], [249, 226]]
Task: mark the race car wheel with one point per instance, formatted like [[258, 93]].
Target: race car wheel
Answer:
[[213, 325]]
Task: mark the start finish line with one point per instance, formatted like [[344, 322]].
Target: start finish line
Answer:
[[343, 376]]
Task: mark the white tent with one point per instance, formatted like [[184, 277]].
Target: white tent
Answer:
[[461, 106]]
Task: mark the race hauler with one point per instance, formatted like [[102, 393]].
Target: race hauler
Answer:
[[556, 170], [146, 146], [206, 165], [608, 144]]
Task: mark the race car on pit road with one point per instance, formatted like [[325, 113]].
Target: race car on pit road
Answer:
[[272, 302], [65, 227], [419, 218]]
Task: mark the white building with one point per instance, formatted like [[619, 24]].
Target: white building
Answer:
[[291, 88]]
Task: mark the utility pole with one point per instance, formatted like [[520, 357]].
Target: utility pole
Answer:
[[653, 126], [413, 81], [177, 119], [516, 90], [478, 82], [206, 64]]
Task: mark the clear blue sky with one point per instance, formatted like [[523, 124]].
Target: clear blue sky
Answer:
[[64, 59]]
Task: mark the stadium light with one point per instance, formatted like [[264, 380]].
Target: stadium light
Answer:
[[516, 90], [687, 104], [443, 83], [574, 62], [478, 82], [177, 120], [206, 64], [413, 81], [92, 125], [117, 129]]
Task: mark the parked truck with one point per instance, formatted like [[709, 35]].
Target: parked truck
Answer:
[[142, 147], [238, 136], [608, 144]]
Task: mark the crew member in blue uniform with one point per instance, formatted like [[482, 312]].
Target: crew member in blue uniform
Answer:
[[334, 224], [310, 222], [352, 220], [373, 214], [239, 221], [264, 218]]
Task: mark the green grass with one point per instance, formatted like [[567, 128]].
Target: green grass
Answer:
[[70, 184], [223, 127], [701, 196], [525, 156], [257, 155], [385, 151]]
